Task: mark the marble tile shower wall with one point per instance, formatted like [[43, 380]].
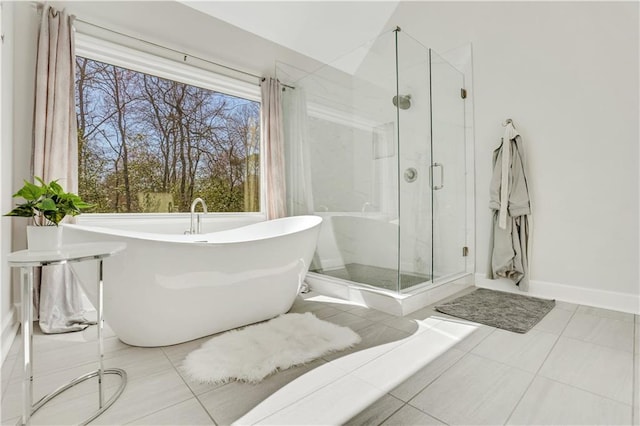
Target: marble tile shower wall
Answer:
[[366, 240], [347, 186], [341, 166]]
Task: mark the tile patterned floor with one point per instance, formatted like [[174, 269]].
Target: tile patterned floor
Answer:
[[579, 365]]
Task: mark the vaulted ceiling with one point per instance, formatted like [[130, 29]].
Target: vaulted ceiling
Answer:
[[323, 30]]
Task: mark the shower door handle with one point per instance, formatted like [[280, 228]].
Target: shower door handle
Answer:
[[437, 187]]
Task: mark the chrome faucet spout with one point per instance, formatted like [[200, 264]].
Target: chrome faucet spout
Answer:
[[196, 229]]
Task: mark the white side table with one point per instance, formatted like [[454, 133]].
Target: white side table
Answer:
[[26, 260]]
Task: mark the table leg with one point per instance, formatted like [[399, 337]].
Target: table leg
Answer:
[[27, 264], [26, 285], [100, 342]]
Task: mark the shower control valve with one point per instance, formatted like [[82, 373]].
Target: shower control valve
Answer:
[[411, 174]]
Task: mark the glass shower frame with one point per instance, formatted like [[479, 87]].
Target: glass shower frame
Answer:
[[385, 137]]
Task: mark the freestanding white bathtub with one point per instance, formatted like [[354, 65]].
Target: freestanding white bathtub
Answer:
[[166, 289]]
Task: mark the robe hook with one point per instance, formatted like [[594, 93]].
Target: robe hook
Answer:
[[507, 122]]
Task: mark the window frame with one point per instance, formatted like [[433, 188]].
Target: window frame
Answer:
[[102, 50]]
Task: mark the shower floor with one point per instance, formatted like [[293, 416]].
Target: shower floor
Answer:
[[386, 278]]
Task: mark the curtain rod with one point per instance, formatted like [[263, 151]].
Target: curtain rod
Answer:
[[185, 55], [38, 5]]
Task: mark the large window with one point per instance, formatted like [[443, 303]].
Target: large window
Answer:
[[151, 144]]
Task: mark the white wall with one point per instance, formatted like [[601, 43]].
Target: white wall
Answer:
[[18, 71], [567, 74], [6, 97]]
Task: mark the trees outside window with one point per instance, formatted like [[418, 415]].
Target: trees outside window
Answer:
[[149, 144]]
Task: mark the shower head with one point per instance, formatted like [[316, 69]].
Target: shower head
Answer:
[[402, 101]]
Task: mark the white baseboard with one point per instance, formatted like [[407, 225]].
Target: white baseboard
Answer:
[[10, 325], [623, 302]]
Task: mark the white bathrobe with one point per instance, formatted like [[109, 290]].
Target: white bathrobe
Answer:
[[511, 206]]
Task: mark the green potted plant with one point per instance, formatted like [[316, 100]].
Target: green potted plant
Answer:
[[47, 204]]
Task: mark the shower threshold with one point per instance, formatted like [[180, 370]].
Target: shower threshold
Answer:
[[339, 283], [384, 278]]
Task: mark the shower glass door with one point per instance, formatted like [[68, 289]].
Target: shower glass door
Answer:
[[447, 169], [415, 200]]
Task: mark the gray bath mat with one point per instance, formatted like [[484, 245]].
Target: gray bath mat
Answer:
[[508, 311]]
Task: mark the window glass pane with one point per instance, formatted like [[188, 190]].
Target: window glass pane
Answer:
[[148, 144]]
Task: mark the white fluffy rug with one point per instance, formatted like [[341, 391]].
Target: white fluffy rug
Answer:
[[252, 353]]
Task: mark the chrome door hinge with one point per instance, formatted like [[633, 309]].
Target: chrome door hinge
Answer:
[[463, 93], [465, 251]]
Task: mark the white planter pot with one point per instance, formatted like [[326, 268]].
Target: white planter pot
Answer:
[[44, 238]]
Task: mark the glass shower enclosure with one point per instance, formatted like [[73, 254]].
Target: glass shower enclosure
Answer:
[[375, 144]]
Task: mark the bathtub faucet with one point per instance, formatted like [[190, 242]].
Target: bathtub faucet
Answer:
[[196, 229]]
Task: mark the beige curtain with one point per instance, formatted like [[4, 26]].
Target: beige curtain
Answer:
[[55, 156], [272, 134]]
